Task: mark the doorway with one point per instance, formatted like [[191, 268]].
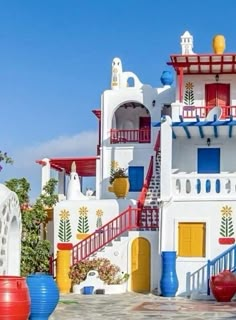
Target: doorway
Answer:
[[140, 265], [218, 94]]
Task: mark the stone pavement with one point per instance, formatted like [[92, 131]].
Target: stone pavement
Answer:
[[137, 306]]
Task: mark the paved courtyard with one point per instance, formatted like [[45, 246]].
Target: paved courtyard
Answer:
[[134, 306]]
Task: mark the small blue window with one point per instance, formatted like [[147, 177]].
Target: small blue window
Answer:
[[136, 177]]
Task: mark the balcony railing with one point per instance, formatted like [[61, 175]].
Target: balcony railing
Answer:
[[194, 111], [130, 136], [203, 185]]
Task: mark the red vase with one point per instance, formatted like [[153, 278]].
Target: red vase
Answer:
[[223, 286], [14, 298]]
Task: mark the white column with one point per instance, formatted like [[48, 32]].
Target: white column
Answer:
[[166, 160], [46, 168], [98, 177], [176, 111]]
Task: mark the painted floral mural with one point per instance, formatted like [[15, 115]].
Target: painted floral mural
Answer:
[[226, 226], [83, 225], [64, 232]]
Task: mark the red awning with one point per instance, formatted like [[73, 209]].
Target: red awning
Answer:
[[85, 167], [204, 63]]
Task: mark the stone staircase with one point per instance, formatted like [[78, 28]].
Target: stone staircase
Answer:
[[153, 193]]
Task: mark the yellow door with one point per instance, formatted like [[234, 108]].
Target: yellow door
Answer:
[[140, 268]]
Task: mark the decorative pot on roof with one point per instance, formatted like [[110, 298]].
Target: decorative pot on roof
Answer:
[[167, 78], [218, 44]]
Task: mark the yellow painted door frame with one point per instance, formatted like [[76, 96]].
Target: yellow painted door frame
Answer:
[[140, 265]]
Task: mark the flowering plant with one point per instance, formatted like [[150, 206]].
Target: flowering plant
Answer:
[[108, 272], [5, 158]]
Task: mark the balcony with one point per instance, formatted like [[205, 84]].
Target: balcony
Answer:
[[130, 136], [190, 112], [204, 186]]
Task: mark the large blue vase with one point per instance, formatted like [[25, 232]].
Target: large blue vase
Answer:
[[44, 295], [169, 282]]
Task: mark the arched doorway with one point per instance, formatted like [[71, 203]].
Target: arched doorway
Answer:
[[140, 265]]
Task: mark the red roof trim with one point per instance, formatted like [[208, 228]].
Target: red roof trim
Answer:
[[85, 166], [204, 63]]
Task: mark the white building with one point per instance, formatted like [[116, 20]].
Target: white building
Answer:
[[177, 147]]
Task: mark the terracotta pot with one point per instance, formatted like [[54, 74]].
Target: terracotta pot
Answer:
[[223, 286], [218, 44]]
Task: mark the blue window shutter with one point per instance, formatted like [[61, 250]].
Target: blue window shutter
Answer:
[[136, 178]]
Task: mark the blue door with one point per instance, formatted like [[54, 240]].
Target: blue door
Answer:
[[208, 160], [136, 176]]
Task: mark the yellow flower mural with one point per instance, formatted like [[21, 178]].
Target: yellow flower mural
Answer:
[[83, 225], [64, 214], [189, 94], [64, 232], [226, 211], [226, 226], [99, 214]]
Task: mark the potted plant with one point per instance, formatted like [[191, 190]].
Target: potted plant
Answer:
[[109, 273], [119, 182]]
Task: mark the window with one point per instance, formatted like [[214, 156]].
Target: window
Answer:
[[136, 176], [191, 241]]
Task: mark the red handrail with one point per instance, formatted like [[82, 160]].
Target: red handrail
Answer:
[[158, 142], [125, 221], [130, 135]]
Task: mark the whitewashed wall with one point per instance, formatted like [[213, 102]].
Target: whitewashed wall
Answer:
[[185, 153], [109, 209], [199, 86], [194, 211], [125, 156], [120, 254]]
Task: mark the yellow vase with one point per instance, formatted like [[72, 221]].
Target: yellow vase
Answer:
[[63, 268], [121, 187], [218, 44]]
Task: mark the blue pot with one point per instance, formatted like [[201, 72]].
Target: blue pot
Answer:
[[88, 290], [167, 78], [169, 282], [44, 296]]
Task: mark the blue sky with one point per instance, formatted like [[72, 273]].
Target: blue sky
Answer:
[[55, 61]]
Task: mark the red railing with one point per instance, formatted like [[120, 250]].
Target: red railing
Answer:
[[126, 136], [146, 184], [127, 220], [158, 142], [202, 112]]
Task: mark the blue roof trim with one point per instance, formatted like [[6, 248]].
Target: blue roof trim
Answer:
[[231, 128], [215, 127], [200, 128], [213, 123]]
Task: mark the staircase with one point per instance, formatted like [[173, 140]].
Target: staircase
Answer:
[[144, 217], [198, 281], [147, 201]]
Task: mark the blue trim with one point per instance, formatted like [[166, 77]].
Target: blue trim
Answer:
[[200, 128], [199, 123], [215, 128], [185, 128], [230, 128]]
